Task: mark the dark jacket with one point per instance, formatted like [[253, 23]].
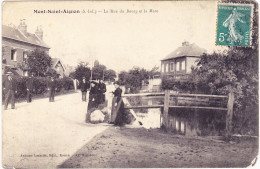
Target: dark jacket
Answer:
[[9, 85], [102, 88], [118, 93], [29, 83], [93, 90], [52, 85], [84, 86]]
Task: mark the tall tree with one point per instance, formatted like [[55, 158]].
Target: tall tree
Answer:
[[82, 70], [109, 75], [38, 62]]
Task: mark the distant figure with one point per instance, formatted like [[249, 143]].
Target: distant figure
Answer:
[[10, 88], [29, 87], [93, 95], [52, 88], [84, 86], [101, 92], [118, 113], [230, 22]]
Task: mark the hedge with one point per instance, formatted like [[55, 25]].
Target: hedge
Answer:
[[40, 85]]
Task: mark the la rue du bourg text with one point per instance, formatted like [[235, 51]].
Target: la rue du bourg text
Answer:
[[67, 11]]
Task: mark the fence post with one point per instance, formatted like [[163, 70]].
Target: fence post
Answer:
[[166, 108], [229, 115]]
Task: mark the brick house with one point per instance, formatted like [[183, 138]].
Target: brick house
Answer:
[[16, 43], [178, 63]]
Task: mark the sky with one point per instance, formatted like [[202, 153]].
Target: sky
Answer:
[[120, 41]]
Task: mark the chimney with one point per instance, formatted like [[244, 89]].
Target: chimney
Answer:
[[23, 27], [39, 32], [185, 43]]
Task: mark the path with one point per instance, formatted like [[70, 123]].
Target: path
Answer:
[[36, 134]]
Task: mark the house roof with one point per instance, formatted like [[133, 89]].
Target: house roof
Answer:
[[55, 61], [15, 34], [186, 49]]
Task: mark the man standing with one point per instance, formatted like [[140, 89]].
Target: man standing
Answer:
[[101, 91], [52, 88], [10, 88], [84, 86], [29, 86]]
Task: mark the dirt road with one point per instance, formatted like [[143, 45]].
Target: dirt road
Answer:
[[44, 134], [141, 148]]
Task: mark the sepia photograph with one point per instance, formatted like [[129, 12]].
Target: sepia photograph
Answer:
[[130, 84]]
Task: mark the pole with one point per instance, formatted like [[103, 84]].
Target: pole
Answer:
[[166, 109], [91, 74], [229, 115]]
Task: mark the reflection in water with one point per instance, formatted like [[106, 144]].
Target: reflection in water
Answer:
[[189, 122], [192, 122]]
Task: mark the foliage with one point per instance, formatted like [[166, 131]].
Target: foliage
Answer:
[[40, 85], [234, 70], [81, 71], [38, 62], [99, 72], [52, 72], [109, 75], [133, 78]]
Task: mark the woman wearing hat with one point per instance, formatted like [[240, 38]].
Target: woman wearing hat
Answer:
[[93, 95], [118, 118]]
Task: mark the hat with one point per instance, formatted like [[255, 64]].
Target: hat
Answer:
[[9, 73], [116, 82], [93, 82]]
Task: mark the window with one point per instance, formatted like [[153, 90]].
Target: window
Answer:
[[24, 55], [183, 65], [13, 55], [162, 68], [178, 66], [172, 66], [25, 73], [167, 67]]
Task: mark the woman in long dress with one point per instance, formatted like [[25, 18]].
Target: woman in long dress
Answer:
[[92, 103], [119, 105]]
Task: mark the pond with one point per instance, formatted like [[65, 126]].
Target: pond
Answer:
[[188, 122]]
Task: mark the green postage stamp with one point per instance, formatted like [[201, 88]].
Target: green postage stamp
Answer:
[[234, 24]]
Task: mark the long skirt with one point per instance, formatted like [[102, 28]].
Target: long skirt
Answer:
[[120, 116]]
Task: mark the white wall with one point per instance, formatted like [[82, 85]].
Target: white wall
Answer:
[[190, 61]]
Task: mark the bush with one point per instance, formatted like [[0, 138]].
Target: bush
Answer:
[[39, 85]]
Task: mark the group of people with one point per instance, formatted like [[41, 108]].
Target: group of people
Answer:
[[97, 90], [10, 89]]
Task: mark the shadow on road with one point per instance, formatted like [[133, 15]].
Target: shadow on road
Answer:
[[141, 148]]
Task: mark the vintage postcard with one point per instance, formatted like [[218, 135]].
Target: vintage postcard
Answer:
[[130, 84]]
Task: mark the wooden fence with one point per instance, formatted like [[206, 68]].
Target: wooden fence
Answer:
[[167, 104]]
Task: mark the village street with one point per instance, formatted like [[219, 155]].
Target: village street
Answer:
[[44, 134]]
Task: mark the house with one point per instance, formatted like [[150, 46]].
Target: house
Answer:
[[17, 43], [178, 63], [58, 67]]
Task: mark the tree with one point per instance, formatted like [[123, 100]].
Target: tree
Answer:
[[109, 75], [98, 71], [82, 70], [133, 78], [38, 62]]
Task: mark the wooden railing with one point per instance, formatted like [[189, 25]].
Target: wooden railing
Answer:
[[167, 104]]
